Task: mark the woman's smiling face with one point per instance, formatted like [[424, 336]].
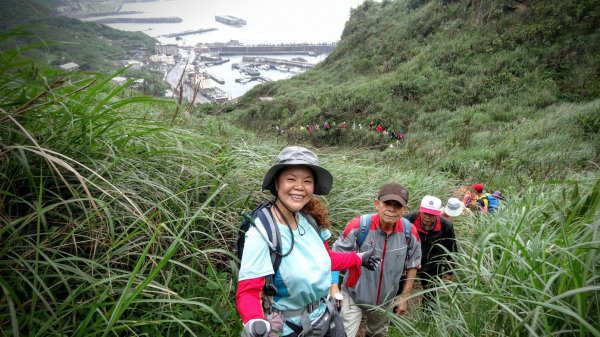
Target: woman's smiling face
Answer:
[[295, 186]]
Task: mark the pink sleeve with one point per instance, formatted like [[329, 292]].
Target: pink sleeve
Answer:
[[342, 261], [247, 298]]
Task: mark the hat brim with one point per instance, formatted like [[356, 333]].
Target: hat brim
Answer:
[[323, 179], [388, 197], [429, 211]]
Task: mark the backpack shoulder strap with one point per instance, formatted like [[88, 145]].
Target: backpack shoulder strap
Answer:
[[266, 218], [407, 229], [363, 230], [312, 221]]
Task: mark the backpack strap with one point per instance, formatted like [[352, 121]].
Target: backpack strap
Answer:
[[312, 221], [407, 229], [266, 218], [363, 230]]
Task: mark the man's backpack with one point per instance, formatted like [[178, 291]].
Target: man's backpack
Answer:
[[493, 202], [273, 237], [365, 223]]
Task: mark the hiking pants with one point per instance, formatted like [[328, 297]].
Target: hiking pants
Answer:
[[377, 322]]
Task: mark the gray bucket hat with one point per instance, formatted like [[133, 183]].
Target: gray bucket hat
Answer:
[[297, 155]]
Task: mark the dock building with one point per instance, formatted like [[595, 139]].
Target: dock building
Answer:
[[230, 20]]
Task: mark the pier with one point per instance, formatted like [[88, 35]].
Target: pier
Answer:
[[301, 48], [97, 14], [171, 19], [278, 62], [215, 78]]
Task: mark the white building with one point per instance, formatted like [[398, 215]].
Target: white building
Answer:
[[69, 66]]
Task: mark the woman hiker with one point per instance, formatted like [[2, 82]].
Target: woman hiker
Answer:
[[300, 305]]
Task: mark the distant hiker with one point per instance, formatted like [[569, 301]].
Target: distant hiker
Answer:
[[343, 126], [360, 126], [371, 126], [396, 241], [379, 128], [480, 197], [326, 125], [498, 195], [494, 201], [284, 300], [454, 208], [437, 240], [353, 125]]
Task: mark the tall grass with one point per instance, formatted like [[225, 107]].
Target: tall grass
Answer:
[[108, 221], [530, 270]]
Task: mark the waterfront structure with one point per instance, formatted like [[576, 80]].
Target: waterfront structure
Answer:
[[167, 49], [268, 49], [230, 20], [69, 66]]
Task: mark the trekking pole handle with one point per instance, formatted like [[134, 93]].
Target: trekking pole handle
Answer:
[[338, 301]]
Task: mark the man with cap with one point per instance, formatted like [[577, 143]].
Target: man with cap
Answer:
[[480, 197], [397, 243], [437, 240]]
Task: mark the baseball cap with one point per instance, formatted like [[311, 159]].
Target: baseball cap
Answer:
[[393, 191], [431, 205]]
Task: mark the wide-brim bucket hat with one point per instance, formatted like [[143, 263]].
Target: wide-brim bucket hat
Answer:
[[454, 207], [298, 155]]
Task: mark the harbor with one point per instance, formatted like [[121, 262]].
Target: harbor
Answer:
[[268, 42]]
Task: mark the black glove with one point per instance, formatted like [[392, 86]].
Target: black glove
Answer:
[[256, 328], [368, 260]]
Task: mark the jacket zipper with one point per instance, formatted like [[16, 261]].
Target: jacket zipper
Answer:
[[382, 266]]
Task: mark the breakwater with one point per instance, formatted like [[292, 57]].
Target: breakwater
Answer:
[[97, 14], [189, 32], [171, 19], [302, 49]]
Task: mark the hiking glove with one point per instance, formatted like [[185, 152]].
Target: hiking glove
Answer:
[[368, 260], [256, 328]]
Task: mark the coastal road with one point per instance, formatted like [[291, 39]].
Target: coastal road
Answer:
[[174, 74]]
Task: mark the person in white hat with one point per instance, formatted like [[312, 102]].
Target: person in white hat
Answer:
[[437, 239], [454, 208]]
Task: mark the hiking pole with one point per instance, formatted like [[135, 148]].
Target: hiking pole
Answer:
[[338, 301]]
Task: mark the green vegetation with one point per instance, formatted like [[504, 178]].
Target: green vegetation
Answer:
[[498, 91], [58, 40], [118, 212]]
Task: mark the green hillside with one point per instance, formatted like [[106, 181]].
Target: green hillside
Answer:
[[483, 89], [61, 39]]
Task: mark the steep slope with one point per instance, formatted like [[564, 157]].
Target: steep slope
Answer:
[[478, 86], [63, 39]]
